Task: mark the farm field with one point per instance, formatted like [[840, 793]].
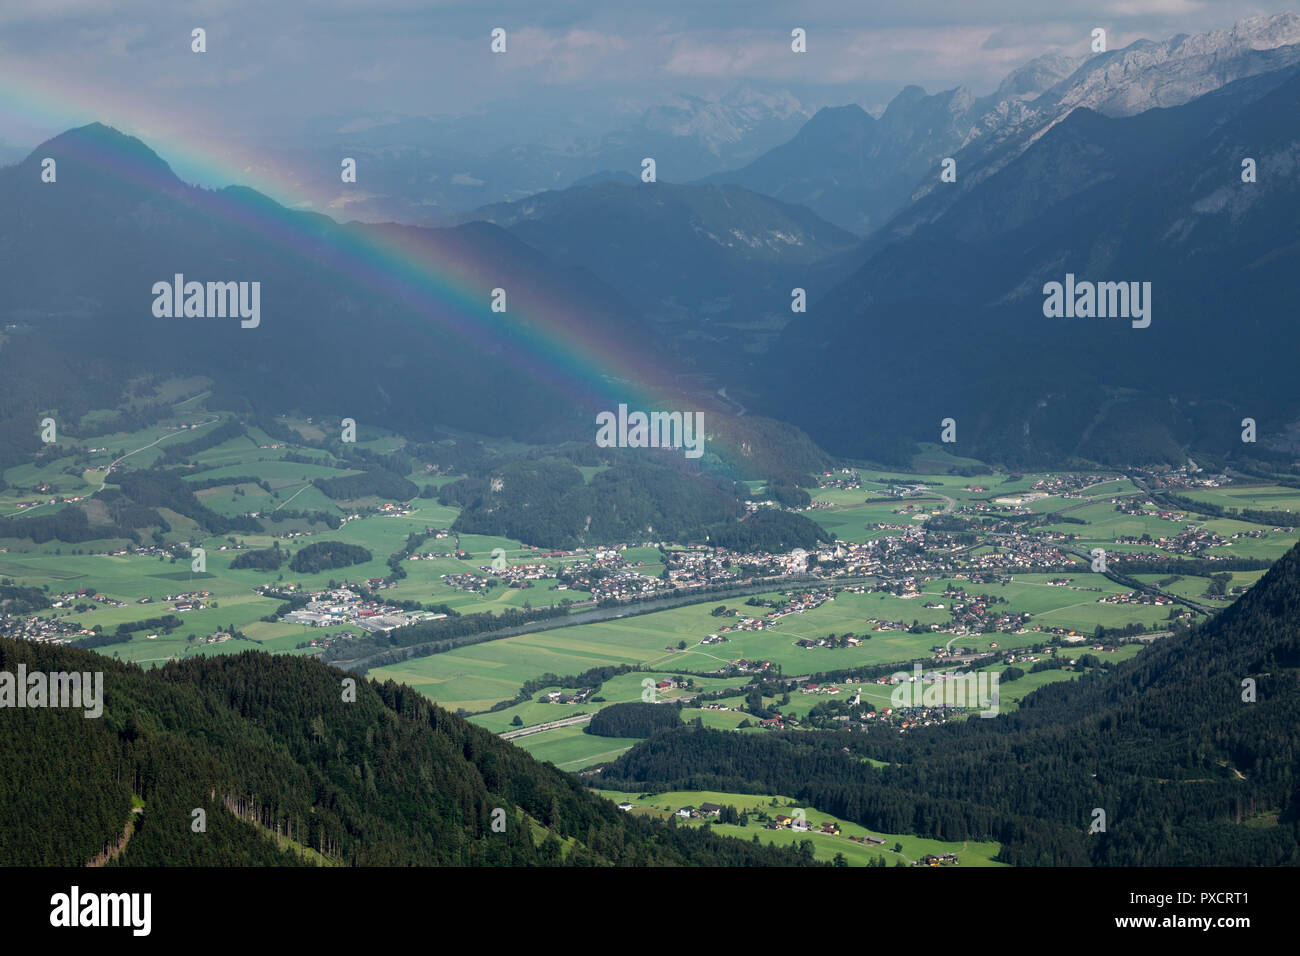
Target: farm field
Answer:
[[569, 748], [466, 677], [475, 678], [1262, 497], [880, 696], [623, 688], [825, 846]]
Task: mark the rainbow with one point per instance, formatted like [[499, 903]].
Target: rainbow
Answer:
[[553, 340]]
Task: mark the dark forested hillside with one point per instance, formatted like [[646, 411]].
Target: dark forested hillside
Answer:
[[635, 719], [1187, 771], [771, 531], [269, 745], [1162, 194], [547, 503]]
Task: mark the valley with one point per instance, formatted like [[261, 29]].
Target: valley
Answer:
[[983, 571]]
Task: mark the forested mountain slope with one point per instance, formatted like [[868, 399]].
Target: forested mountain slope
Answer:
[[268, 744]]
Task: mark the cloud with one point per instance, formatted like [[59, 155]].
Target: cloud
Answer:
[[375, 73], [739, 55]]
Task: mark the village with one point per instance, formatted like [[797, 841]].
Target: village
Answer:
[[331, 608]]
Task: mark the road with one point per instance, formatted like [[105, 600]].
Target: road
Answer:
[[109, 470], [631, 609], [1149, 588], [549, 725]]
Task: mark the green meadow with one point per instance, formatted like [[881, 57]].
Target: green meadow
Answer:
[[476, 677], [825, 846]]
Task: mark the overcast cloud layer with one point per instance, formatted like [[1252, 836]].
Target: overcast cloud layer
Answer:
[[269, 66]]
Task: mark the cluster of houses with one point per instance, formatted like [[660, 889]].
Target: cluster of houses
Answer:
[[1070, 485], [608, 575], [560, 697], [1189, 478], [868, 840], [328, 640], [742, 666], [746, 624], [81, 595], [519, 575], [467, 581], [42, 630], [784, 822], [832, 641], [846, 479], [331, 608], [187, 600], [1135, 597], [143, 551]]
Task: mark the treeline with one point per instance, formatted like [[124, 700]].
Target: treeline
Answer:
[[203, 484], [68, 524], [397, 560], [265, 559], [593, 678], [166, 623], [180, 451], [101, 640], [636, 719], [787, 494], [375, 483], [157, 488], [770, 531], [122, 421], [1198, 567], [20, 600], [129, 514], [327, 555], [461, 456], [268, 740], [329, 519], [434, 637], [547, 503], [1272, 518]]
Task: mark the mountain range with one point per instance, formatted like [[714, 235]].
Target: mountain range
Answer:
[[952, 311], [353, 316], [858, 171], [706, 263], [428, 171], [1123, 166]]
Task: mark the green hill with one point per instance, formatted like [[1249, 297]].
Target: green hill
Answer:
[[287, 771]]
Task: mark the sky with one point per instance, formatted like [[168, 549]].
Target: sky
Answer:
[[278, 70]]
